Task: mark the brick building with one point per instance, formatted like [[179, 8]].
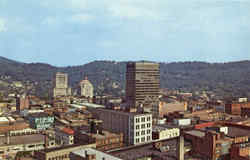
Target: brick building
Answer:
[[104, 140], [91, 154], [22, 103], [61, 153], [245, 111], [240, 151], [64, 136], [214, 145], [235, 107]]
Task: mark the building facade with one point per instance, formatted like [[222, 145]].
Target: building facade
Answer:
[[235, 107], [87, 89], [161, 132], [91, 154], [214, 145], [136, 127], [22, 103], [41, 121], [64, 136], [142, 85], [61, 85], [61, 153]]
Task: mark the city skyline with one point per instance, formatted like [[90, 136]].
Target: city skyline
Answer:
[[81, 31]]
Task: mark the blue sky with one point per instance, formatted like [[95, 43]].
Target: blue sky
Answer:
[[74, 32]]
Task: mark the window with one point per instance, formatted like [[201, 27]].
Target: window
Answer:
[[137, 126], [148, 125], [143, 139], [148, 138], [137, 133], [148, 131], [143, 119], [148, 118], [137, 120], [142, 132], [137, 140], [143, 126]]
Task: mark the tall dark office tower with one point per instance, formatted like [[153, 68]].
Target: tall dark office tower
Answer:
[[142, 86]]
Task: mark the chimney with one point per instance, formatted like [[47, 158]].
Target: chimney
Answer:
[[8, 137], [180, 148]]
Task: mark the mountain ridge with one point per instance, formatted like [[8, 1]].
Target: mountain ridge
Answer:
[[229, 78]]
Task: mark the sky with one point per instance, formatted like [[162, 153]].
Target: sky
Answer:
[[75, 32]]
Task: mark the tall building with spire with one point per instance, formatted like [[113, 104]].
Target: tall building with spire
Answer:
[[61, 85], [142, 86], [87, 89]]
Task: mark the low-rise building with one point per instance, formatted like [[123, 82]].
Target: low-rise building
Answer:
[[91, 154], [161, 132], [61, 153], [245, 111], [41, 121], [104, 140], [235, 107], [9, 124], [64, 136], [135, 126], [214, 145], [182, 121], [240, 151], [13, 144]]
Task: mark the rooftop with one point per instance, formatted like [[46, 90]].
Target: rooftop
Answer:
[[196, 133], [238, 132], [41, 114], [99, 155], [3, 119], [162, 127], [68, 131], [26, 139], [125, 112], [72, 147], [104, 134]]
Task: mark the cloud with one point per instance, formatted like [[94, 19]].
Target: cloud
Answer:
[[163, 29], [3, 27]]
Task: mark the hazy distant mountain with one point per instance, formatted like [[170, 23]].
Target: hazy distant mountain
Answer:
[[109, 76]]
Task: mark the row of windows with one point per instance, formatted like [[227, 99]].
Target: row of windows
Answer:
[[143, 132], [137, 140], [142, 119], [59, 157], [143, 126]]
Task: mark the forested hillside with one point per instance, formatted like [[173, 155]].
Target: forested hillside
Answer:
[[109, 76]]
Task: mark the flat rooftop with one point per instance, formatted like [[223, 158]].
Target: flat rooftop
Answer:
[[125, 112], [105, 134], [196, 133], [99, 155], [72, 147], [162, 128], [238, 132], [26, 139]]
